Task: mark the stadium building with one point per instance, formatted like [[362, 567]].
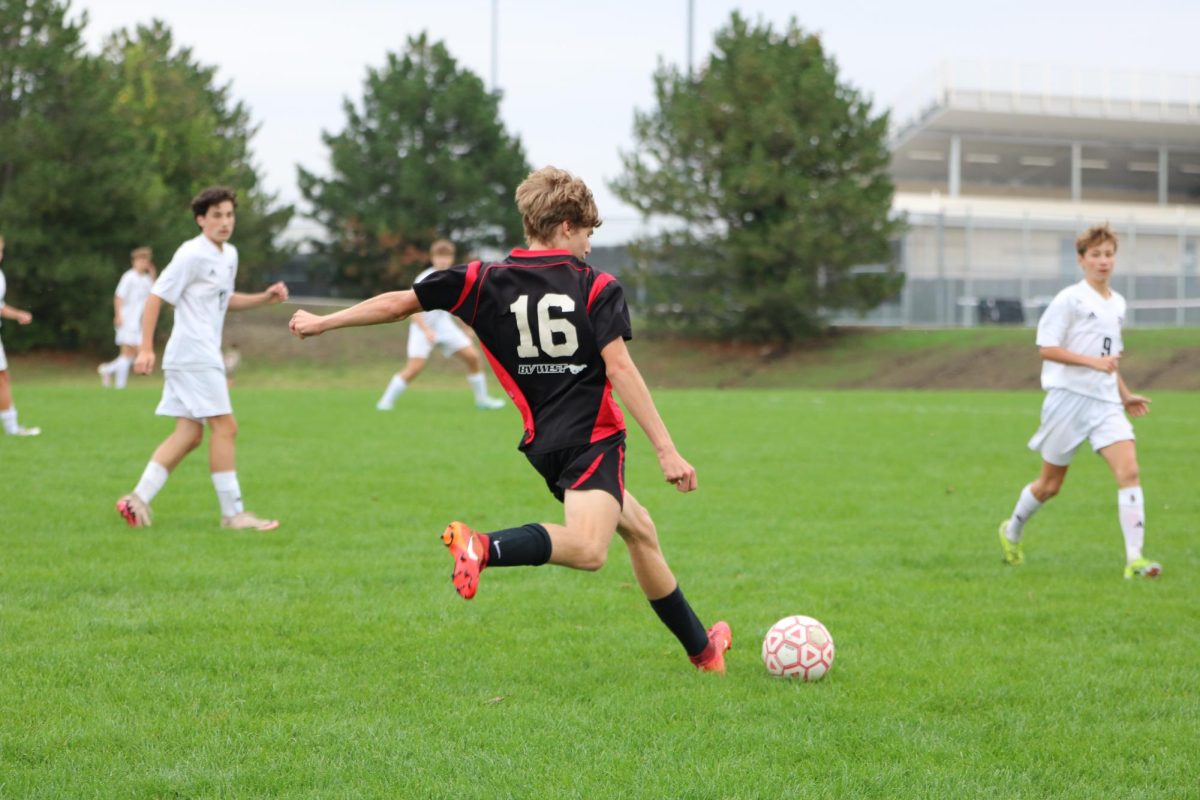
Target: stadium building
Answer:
[[997, 169]]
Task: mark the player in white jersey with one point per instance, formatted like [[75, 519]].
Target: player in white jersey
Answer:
[[430, 329], [128, 302], [199, 283], [8, 412], [1079, 338]]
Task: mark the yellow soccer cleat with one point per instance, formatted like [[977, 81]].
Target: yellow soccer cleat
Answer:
[[1014, 556]]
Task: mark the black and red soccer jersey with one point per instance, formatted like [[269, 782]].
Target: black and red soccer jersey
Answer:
[[542, 317]]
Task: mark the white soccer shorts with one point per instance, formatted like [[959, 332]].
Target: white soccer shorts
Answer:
[[450, 339], [3, 358], [129, 335], [194, 394], [1068, 419]]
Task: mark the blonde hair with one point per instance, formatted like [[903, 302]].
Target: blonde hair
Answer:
[[1095, 236], [551, 196], [442, 247], [141, 251]]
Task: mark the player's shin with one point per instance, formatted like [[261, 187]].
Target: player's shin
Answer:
[[1027, 506], [1131, 508], [528, 545], [676, 613]]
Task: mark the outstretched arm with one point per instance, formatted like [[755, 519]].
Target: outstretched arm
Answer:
[[275, 293], [627, 380], [387, 307]]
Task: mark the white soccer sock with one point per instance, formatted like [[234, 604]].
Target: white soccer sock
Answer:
[[108, 367], [121, 370], [9, 418], [395, 388], [1027, 506], [478, 386], [1131, 507], [229, 494], [153, 479]]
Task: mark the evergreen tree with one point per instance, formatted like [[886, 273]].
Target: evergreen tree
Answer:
[[426, 156], [772, 176], [195, 135], [69, 191], [99, 154]]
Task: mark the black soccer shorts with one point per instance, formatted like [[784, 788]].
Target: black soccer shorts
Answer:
[[600, 465]]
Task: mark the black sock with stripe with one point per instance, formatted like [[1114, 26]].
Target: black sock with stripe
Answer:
[[526, 546], [676, 613]]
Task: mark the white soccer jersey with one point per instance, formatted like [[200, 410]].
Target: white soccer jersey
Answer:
[[3, 289], [1080, 321], [199, 283], [133, 289]]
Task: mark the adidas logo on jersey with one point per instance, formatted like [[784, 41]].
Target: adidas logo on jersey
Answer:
[[1091, 315]]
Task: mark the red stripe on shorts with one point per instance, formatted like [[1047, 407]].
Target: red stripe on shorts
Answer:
[[587, 474]]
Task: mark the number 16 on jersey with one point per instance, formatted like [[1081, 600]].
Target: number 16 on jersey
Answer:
[[547, 325]]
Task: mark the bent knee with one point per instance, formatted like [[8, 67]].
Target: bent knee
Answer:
[[593, 559], [639, 530], [1045, 491]]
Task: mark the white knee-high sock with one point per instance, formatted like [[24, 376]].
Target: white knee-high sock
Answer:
[[478, 385], [154, 477], [108, 367], [1131, 507], [229, 494], [395, 388], [9, 418], [1027, 506], [121, 370]]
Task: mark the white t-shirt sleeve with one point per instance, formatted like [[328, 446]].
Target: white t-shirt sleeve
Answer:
[[1056, 319], [175, 277], [125, 287]]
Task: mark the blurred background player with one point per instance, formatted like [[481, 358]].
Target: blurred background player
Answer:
[[8, 412], [554, 331], [437, 328], [128, 302], [1079, 338], [199, 283]]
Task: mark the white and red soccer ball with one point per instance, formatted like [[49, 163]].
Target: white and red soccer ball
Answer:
[[798, 647]]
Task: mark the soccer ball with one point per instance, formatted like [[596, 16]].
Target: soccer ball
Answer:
[[798, 647]]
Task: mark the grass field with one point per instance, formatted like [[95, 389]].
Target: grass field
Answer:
[[333, 659]]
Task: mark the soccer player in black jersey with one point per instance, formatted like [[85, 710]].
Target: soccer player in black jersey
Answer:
[[554, 330]]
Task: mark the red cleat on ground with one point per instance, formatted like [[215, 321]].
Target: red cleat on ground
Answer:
[[720, 639], [469, 550]]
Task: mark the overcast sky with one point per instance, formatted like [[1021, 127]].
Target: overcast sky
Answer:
[[591, 63]]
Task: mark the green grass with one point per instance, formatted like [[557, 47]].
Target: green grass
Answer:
[[333, 659]]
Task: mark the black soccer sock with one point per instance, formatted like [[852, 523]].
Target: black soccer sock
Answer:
[[528, 545], [677, 615]]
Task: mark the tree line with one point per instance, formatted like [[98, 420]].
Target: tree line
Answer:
[[765, 172]]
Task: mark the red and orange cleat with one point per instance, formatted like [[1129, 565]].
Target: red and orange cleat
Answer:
[[469, 550], [720, 639]]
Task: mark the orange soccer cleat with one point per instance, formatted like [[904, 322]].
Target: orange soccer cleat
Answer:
[[469, 550], [720, 639]]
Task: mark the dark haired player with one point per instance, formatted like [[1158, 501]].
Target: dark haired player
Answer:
[[199, 283]]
